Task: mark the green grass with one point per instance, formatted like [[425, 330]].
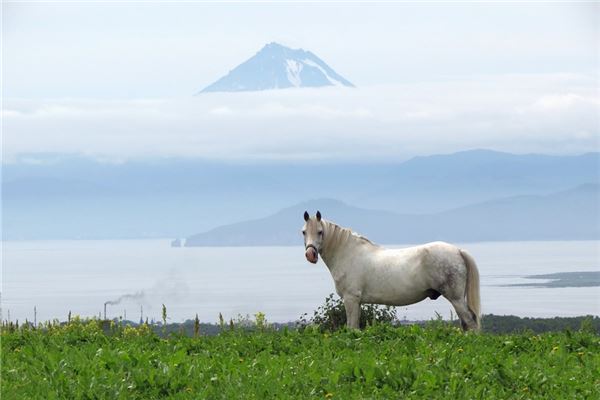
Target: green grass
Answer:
[[81, 361]]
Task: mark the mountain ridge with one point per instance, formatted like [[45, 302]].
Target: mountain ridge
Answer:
[[278, 67], [564, 215], [67, 197]]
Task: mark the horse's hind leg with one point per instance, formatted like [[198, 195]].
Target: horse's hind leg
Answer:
[[467, 320]]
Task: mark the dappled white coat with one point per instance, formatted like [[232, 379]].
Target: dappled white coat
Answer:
[[364, 272]]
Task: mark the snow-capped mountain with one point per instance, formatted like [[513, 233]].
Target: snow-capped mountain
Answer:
[[278, 67]]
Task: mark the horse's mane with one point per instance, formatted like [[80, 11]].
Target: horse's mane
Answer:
[[343, 234]]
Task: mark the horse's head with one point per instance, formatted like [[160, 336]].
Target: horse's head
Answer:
[[313, 236]]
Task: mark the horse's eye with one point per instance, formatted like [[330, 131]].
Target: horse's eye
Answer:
[[304, 233], [320, 233]]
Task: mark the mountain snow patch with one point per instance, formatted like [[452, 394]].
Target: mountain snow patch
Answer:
[[293, 69], [333, 81]]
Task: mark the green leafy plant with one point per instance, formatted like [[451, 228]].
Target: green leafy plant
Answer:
[[260, 321], [164, 319], [80, 360], [196, 326]]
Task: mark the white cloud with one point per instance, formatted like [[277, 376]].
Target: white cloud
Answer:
[[221, 111], [541, 113], [557, 102]]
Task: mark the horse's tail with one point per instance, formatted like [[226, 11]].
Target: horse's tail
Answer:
[[472, 288]]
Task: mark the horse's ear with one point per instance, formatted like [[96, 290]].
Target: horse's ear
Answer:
[[318, 215], [306, 216]]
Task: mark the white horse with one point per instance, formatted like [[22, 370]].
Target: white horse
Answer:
[[364, 272]]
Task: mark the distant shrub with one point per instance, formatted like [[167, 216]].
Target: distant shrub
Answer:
[[510, 323], [331, 316]]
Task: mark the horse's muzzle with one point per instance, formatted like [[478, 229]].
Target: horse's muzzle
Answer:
[[311, 254]]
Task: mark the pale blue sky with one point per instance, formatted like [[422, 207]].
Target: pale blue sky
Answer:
[[155, 50], [116, 80]]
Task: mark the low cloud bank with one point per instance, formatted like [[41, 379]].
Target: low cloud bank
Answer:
[[515, 113]]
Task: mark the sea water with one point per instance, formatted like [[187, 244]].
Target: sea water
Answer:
[[79, 276]]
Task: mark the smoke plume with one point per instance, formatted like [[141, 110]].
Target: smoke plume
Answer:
[[132, 296]]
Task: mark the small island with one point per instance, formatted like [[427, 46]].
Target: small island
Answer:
[[564, 279]]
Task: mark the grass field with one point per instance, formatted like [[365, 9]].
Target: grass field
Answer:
[[81, 360]]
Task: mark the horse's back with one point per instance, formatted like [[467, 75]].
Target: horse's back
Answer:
[[441, 252], [427, 264], [424, 255]]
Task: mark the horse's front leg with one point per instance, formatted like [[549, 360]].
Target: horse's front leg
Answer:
[[352, 305]]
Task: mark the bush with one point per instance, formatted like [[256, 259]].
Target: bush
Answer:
[[331, 316]]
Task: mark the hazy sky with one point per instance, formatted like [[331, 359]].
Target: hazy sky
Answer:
[[117, 79]]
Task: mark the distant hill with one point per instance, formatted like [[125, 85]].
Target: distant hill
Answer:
[[567, 215], [278, 67], [69, 197]]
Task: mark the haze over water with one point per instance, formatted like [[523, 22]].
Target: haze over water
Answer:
[[79, 276]]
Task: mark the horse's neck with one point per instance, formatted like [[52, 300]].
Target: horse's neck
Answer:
[[337, 239]]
